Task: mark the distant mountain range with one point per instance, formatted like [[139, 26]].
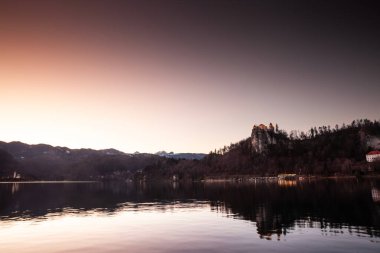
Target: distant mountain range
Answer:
[[186, 156], [22, 151], [42, 161]]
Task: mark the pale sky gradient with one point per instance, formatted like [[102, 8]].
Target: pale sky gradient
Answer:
[[177, 76]]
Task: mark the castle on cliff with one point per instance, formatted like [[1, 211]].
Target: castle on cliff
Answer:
[[262, 136]]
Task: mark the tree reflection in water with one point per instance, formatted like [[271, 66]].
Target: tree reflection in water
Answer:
[[276, 208]]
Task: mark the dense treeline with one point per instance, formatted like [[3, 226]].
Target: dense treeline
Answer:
[[320, 151]]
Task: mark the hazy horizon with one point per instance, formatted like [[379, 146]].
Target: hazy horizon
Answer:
[[168, 151], [182, 76]]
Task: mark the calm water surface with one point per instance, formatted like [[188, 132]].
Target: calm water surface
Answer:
[[316, 216]]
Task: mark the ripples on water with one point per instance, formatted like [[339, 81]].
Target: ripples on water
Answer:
[[321, 215]]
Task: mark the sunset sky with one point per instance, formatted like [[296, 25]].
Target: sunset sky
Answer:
[[183, 76]]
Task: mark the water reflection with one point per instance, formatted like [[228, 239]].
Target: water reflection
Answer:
[[15, 187], [375, 194], [275, 208], [287, 183]]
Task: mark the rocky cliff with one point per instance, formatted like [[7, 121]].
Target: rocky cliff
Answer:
[[373, 142], [262, 136]]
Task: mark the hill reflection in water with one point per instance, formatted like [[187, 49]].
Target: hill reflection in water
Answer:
[[275, 208]]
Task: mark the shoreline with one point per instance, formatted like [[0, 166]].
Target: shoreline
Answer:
[[246, 178], [231, 179], [46, 182]]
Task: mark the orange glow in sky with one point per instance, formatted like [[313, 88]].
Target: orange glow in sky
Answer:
[[88, 78]]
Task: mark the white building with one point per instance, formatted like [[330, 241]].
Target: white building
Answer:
[[373, 156], [16, 175]]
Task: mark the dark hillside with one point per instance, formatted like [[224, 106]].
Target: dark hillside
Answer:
[[320, 151]]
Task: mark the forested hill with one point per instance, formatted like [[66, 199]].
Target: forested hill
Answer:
[[324, 150], [268, 151]]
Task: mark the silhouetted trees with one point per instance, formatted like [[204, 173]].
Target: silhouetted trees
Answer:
[[320, 151]]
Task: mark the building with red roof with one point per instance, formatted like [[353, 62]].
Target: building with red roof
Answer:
[[373, 156]]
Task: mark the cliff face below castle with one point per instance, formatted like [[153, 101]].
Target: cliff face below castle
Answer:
[[373, 142], [261, 137]]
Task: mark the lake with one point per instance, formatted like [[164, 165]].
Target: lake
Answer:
[[286, 216]]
